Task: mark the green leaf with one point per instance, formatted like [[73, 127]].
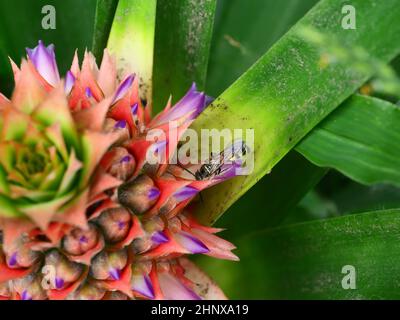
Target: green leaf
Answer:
[[7, 208], [313, 206], [360, 139], [132, 41], [105, 11], [4, 188], [21, 25], [182, 44], [45, 115], [288, 91], [305, 261], [244, 31], [355, 198]]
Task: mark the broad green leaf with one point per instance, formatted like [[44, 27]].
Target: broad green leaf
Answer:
[[132, 41], [21, 27], [355, 198], [105, 11], [244, 30], [313, 206], [289, 90], [360, 139], [305, 261], [182, 44], [8, 208]]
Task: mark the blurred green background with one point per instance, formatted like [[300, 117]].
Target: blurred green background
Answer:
[[21, 27]]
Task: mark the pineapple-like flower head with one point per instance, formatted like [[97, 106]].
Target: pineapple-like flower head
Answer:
[[83, 215]]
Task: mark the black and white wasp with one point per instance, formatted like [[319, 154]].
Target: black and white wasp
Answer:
[[220, 162]]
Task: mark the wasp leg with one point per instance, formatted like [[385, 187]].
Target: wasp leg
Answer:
[[187, 170]]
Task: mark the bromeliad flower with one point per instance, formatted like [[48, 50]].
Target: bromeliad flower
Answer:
[[45, 164], [77, 193]]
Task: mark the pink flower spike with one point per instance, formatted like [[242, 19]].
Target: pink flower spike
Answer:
[[124, 87], [188, 108], [190, 242], [173, 289], [44, 60], [159, 237], [185, 193], [69, 82], [142, 285]]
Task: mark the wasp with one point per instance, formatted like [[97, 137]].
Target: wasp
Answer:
[[215, 165]]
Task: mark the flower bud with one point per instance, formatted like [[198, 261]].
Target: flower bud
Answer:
[[123, 164], [142, 267], [5, 291], [138, 195], [168, 206], [87, 292], [80, 241], [119, 127], [115, 295], [109, 265], [173, 289], [190, 242], [29, 288], [163, 266], [141, 245], [19, 255], [174, 224], [154, 224], [115, 224], [65, 271], [141, 283]]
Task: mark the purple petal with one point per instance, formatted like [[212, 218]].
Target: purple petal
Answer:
[[120, 124], [26, 296], [126, 159], [142, 284], [59, 283], [121, 225], [153, 194], [69, 82], [45, 63], [173, 289], [83, 239], [135, 108], [88, 92], [123, 88], [208, 101], [159, 237], [189, 107], [191, 243], [13, 260], [115, 274], [185, 193]]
